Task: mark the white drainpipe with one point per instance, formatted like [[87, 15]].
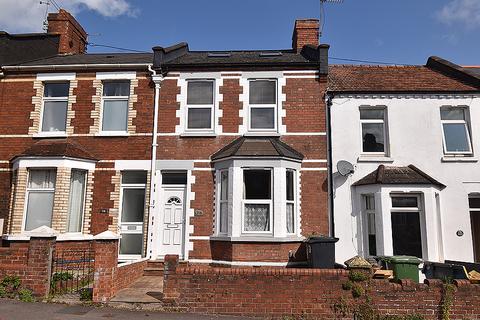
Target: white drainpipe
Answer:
[[157, 79]]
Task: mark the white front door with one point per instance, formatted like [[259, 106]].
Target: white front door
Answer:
[[172, 222]]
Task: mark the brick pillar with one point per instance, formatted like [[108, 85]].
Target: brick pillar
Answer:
[[170, 292], [39, 265], [106, 261]]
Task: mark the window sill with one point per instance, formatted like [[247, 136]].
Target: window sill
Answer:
[[374, 158], [112, 134], [459, 159], [262, 134], [50, 135], [257, 238], [198, 134]]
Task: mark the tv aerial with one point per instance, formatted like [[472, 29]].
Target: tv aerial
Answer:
[[322, 13], [345, 168]]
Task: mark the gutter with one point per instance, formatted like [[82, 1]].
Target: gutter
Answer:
[[331, 207], [157, 79], [84, 66]]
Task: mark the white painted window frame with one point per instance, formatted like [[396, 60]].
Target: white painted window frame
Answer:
[[222, 201], [53, 99], [263, 106], [84, 201], [418, 209], [124, 186], [465, 122], [42, 190], [367, 213], [114, 98], [294, 201], [201, 106], [259, 201], [385, 131]]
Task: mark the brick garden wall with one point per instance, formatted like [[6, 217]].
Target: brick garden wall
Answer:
[[306, 294]]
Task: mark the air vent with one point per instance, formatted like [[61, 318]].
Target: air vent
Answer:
[[219, 54], [270, 54]]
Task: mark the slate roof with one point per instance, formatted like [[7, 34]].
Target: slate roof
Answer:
[[93, 58], [369, 78], [257, 147], [56, 148], [473, 70], [16, 48], [241, 57], [398, 175]]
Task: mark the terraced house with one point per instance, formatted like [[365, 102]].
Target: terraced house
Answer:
[[218, 157]]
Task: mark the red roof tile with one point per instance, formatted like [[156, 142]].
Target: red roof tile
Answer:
[[367, 78]]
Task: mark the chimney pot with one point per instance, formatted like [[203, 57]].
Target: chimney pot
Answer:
[[306, 31]]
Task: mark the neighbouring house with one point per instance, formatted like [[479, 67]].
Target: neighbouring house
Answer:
[[413, 136], [236, 141]]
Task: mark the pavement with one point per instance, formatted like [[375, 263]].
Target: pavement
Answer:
[[16, 310]]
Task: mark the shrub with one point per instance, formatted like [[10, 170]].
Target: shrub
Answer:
[[357, 276], [357, 291], [347, 285], [26, 295]]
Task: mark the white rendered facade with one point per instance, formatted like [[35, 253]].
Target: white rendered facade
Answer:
[[413, 136]]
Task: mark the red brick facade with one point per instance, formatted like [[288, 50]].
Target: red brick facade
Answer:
[[301, 125]]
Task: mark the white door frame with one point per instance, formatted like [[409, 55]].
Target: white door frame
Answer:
[[157, 250]]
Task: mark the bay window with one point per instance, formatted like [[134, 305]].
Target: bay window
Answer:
[[257, 199], [290, 203], [200, 105], [115, 100], [223, 202], [76, 200], [54, 111], [262, 105], [40, 195]]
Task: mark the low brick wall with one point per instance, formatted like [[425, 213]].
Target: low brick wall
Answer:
[[31, 261], [308, 293], [128, 273]]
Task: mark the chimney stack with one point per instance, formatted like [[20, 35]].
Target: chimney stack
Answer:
[[306, 31], [73, 39]]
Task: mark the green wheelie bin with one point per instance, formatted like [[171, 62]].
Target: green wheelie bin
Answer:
[[404, 267]]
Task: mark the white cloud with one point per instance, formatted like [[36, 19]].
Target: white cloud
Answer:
[[28, 15], [464, 12]]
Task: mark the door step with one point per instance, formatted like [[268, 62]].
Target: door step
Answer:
[[154, 268]]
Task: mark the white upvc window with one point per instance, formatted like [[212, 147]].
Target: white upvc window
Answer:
[[200, 113], [262, 105], [374, 133], [223, 202], [115, 100], [291, 205], [257, 200], [54, 107], [369, 224], [456, 131], [76, 206], [39, 198]]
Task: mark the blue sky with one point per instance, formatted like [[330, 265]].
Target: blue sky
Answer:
[[403, 32]]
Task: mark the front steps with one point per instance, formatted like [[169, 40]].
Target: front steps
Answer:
[[154, 268]]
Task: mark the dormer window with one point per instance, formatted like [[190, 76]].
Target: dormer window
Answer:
[[200, 105], [55, 102], [262, 105]]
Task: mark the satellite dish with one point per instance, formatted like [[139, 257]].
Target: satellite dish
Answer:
[[345, 168]]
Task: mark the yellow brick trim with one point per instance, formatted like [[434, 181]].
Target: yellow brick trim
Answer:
[[115, 197]]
